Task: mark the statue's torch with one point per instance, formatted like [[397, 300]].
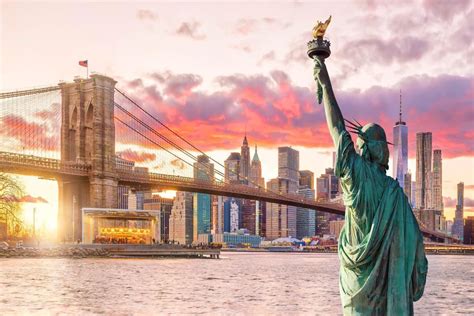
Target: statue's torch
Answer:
[[319, 46]]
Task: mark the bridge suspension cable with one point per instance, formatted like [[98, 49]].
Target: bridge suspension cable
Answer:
[[180, 148]]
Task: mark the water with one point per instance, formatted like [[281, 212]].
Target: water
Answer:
[[239, 283]]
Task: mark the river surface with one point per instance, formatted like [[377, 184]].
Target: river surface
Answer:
[[238, 283]]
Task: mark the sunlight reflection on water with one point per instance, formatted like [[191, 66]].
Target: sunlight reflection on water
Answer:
[[239, 283]]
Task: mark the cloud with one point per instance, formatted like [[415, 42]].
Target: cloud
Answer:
[[451, 202], [146, 15], [178, 164], [382, 51], [445, 10], [270, 56], [135, 156], [248, 26], [32, 199], [278, 112], [191, 30], [469, 186], [29, 135]]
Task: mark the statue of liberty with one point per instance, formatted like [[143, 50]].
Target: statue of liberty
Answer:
[[383, 265]]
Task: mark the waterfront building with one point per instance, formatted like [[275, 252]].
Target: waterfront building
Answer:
[[181, 219], [117, 226], [164, 206], [217, 222], [135, 200], [203, 170], [256, 178], [250, 216], [423, 168], [245, 161], [232, 214], [469, 230], [306, 179], [236, 239], [305, 218], [400, 148], [458, 224]]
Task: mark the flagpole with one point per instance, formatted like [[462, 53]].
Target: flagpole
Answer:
[[87, 70]]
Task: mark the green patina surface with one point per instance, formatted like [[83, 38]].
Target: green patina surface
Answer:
[[383, 263]]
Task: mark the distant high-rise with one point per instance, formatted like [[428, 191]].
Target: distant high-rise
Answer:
[[469, 230], [423, 169], [407, 186], [203, 170], [307, 179], [305, 218], [458, 225], [288, 163], [400, 148], [245, 161], [181, 219], [437, 181], [256, 178], [232, 168], [281, 219]]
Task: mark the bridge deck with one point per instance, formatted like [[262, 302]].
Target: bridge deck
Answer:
[[32, 165]]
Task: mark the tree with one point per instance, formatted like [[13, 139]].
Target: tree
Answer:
[[11, 192]]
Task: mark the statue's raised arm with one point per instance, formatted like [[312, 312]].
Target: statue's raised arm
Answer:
[[334, 116]]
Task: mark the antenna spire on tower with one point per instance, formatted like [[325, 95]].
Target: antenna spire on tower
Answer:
[[400, 120]]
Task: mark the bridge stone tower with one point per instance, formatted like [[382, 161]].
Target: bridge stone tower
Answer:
[[87, 137]]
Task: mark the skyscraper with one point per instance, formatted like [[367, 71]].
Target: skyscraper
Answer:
[[281, 219], [203, 170], [288, 163], [181, 219], [305, 218], [307, 179], [232, 168], [256, 178], [407, 186], [245, 161], [400, 148], [458, 225], [423, 169], [437, 181]]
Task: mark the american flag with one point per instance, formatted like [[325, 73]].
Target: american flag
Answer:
[[83, 63]]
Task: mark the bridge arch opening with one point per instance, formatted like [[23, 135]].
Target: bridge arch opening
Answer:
[[88, 128], [72, 135]]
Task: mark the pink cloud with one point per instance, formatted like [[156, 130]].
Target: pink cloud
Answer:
[[136, 156], [191, 30], [277, 112]]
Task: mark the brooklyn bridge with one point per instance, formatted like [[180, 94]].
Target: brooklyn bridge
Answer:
[[72, 131]]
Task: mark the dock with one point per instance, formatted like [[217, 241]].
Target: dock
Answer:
[[150, 251]]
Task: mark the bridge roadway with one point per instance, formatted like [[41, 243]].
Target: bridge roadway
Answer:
[[54, 168]]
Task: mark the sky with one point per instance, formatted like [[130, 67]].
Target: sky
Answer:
[[215, 70]]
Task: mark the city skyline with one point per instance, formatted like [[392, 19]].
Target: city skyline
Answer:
[[271, 87]]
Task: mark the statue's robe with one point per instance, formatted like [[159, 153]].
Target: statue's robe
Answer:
[[383, 263]]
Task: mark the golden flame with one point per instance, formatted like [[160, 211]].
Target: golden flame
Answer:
[[320, 28]]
